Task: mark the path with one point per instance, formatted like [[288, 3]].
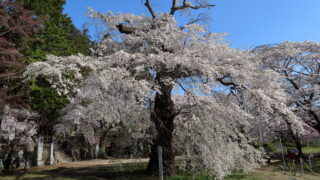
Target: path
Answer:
[[93, 162]]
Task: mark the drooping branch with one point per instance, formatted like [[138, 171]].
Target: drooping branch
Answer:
[[187, 4], [148, 5]]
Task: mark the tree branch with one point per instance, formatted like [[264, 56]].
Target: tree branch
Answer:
[[186, 4], [191, 22], [173, 7], [290, 80], [3, 33], [148, 5], [226, 83], [125, 29]]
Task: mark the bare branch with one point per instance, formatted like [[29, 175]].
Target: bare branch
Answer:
[[173, 7], [186, 4], [3, 33], [182, 87], [226, 83], [148, 5], [201, 17], [191, 22]]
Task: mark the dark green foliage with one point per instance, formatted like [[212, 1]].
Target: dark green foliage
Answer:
[[47, 102], [58, 35], [45, 99], [271, 147]]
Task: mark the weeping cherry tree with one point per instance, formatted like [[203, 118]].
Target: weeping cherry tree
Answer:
[[141, 62]]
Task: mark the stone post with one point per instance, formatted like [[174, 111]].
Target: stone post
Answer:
[[19, 158], [40, 161], [96, 153], [51, 151]]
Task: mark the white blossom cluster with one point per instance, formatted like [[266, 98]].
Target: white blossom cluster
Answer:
[[18, 125], [64, 76], [221, 148], [107, 99]]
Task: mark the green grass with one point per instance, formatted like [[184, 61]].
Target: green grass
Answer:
[[242, 176], [305, 150], [134, 175], [308, 150], [125, 172]]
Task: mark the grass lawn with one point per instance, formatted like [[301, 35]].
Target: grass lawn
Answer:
[[308, 150], [137, 172], [305, 150]]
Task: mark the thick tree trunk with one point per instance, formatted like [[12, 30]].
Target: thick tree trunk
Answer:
[[163, 116], [9, 156], [295, 138], [8, 161], [298, 144]]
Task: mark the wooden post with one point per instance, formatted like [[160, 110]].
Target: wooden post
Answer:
[[1, 164], [309, 159], [26, 165], [160, 163], [294, 167], [302, 170], [284, 162]]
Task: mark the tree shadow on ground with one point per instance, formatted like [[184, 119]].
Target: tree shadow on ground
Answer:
[[125, 172]]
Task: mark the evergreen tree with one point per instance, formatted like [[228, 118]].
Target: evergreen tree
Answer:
[[58, 36]]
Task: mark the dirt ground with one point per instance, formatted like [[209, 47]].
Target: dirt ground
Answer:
[[116, 169], [93, 162]]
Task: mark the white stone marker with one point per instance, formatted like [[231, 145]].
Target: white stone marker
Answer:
[[40, 161]]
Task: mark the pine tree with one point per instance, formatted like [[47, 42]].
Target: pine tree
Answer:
[[58, 36]]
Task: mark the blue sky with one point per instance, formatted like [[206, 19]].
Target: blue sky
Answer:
[[249, 22]]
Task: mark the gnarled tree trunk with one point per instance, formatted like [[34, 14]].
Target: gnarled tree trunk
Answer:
[[297, 141], [163, 116], [295, 138]]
